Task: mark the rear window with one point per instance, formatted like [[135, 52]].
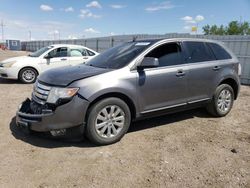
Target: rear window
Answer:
[[198, 52], [219, 52]]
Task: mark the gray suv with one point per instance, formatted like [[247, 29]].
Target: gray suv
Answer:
[[132, 81]]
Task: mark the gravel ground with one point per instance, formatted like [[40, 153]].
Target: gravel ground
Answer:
[[190, 149], [4, 54]]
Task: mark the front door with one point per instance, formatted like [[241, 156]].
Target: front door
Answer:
[[58, 58], [164, 86]]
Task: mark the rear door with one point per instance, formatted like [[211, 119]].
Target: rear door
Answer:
[[78, 56], [203, 71], [164, 86]]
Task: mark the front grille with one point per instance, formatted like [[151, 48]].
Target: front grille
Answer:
[[40, 93]]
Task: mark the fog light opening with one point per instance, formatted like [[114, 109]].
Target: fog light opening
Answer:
[[60, 132]]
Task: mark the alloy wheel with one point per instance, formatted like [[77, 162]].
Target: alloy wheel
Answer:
[[110, 121], [224, 101], [28, 75]]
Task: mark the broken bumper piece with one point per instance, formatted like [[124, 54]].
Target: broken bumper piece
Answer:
[[58, 120]]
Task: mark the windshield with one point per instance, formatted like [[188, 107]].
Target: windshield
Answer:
[[40, 52], [119, 56]]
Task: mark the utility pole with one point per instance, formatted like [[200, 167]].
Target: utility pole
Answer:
[[54, 34], [30, 35], [2, 27], [197, 26]]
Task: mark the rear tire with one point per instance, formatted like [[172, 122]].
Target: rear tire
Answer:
[[28, 75], [222, 101], [108, 121]]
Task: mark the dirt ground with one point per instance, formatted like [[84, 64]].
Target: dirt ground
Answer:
[[4, 54], [187, 149]]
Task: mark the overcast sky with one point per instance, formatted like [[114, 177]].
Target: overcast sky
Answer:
[[49, 19]]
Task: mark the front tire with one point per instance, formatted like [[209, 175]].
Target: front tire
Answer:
[[28, 75], [222, 101], [108, 121]]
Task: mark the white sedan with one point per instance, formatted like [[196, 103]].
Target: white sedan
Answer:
[[27, 68]]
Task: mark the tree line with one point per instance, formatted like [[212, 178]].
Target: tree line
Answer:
[[233, 28]]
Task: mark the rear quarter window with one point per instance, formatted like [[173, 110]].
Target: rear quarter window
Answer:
[[198, 52], [219, 52], [90, 53]]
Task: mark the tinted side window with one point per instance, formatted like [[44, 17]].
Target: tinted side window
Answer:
[[198, 52], [59, 52], [168, 54], [219, 52]]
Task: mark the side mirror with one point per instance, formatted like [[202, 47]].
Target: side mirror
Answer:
[[148, 62], [48, 56]]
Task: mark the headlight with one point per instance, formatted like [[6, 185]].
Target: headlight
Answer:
[[7, 65], [61, 93]]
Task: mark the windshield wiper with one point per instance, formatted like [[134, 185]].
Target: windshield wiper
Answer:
[[91, 65]]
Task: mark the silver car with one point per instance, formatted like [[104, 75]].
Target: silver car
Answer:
[[131, 81]]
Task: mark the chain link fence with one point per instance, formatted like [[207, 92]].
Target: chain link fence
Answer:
[[240, 45]]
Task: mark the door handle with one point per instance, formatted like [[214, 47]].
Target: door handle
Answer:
[[63, 59], [85, 57], [180, 73], [216, 68]]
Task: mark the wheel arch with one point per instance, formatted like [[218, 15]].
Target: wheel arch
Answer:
[[121, 96], [26, 68], [233, 83]]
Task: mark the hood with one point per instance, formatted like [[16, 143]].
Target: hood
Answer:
[[16, 59], [63, 76]]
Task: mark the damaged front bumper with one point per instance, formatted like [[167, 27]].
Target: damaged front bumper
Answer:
[[40, 118]]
